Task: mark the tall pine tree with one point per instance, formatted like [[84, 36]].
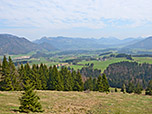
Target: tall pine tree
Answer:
[[6, 83], [55, 82], [78, 83], [149, 88], [138, 89], [67, 78], [105, 83], [130, 88], [94, 84], [14, 76], [100, 84], [88, 85]]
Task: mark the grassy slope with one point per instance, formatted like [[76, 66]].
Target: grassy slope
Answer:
[[80, 103]]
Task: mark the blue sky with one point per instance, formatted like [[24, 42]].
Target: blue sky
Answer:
[[34, 19]]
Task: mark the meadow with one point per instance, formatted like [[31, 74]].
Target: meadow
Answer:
[[99, 64], [58, 102], [143, 59]]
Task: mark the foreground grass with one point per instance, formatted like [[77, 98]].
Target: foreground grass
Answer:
[[81, 103]]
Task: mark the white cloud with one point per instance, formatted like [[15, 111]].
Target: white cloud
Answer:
[[77, 13], [66, 14]]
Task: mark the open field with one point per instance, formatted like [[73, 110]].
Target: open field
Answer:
[[55, 102], [100, 64], [59, 59], [143, 59]]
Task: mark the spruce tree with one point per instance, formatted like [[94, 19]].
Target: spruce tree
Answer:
[[105, 83], [67, 78], [138, 88], [22, 74], [36, 78], [6, 81], [73, 75], [99, 84], [14, 76], [149, 88], [28, 72], [55, 82], [94, 84], [130, 88], [78, 83], [0, 75], [29, 100], [44, 76], [88, 85], [123, 88]]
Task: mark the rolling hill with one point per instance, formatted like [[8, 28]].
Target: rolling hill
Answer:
[[67, 43], [143, 44], [10, 44]]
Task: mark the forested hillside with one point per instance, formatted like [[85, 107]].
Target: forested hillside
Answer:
[[125, 72]]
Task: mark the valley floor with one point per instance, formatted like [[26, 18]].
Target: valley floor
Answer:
[[58, 102]]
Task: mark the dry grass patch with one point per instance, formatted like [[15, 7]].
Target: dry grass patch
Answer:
[[58, 102]]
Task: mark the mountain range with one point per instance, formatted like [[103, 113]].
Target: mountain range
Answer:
[[10, 44], [143, 44], [66, 43]]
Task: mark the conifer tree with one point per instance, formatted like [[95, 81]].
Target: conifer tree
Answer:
[[28, 71], [78, 83], [6, 83], [36, 77], [130, 88], [73, 76], [149, 88], [88, 85], [123, 88], [138, 88], [99, 84], [29, 100], [66, 74], [94, 84], [105, 83], [55, 80], [44, 75], [14, 76], [0, 74], [22, 74]]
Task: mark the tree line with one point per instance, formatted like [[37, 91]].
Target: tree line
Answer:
[[125, 72], [136, 88], [46, 78]]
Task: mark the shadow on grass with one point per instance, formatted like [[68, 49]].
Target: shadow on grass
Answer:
[[15, 110]]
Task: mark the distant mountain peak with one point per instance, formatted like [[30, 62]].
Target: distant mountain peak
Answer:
[[11, 44], [142, 44]]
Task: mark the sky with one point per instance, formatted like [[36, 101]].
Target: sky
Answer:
[[34, 19]]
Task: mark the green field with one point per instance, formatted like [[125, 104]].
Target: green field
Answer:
[[143, 59], [97, 64], [58, 102], [100, 64]]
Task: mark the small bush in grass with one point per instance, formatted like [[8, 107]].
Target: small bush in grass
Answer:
[[116, 90]]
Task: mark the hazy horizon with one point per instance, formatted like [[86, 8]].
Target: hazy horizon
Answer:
[[76, 18]]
